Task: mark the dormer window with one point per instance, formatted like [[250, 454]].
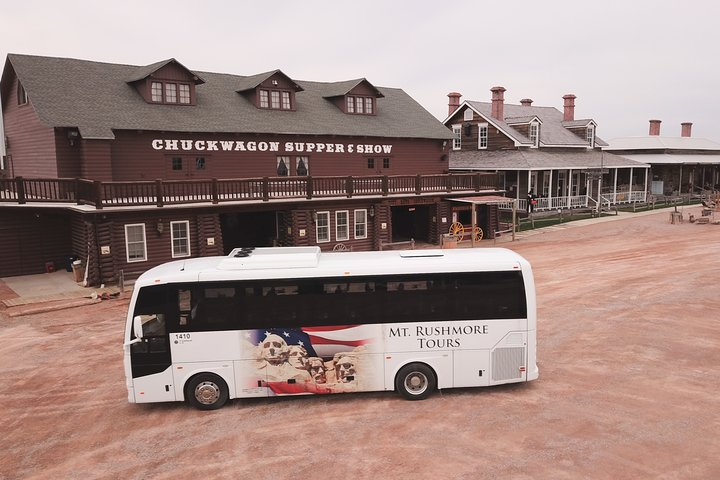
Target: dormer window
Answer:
[[166, 83], [275, 99], [170, 92], [360, 105], [590, 135], [535, 134]]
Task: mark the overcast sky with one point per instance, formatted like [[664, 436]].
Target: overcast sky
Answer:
[[627, 61]]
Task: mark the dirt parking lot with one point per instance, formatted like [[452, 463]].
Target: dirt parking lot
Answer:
[[629, 356]]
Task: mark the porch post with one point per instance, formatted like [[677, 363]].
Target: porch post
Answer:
[[473, 218], [631, 183], [680, 181], [569, 192], [550, 189], [588, 189], [647, 173], [615, 186], [528, 184]]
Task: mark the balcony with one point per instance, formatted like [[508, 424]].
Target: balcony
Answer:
[[215, 191]]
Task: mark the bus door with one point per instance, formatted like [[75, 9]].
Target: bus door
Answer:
[[150, 358]]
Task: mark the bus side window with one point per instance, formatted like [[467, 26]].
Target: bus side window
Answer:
[[186, 309]]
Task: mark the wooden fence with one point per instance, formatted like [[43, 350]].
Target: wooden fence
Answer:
[[173, 192]]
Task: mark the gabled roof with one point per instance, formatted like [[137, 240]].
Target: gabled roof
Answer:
[[253, 81], [96, 97], [522, 120], [578, 123], [552, 134], [343, 88], [490, 160], [143, 72]]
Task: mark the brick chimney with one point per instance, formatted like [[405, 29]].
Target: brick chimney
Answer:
[[526, 102], [655, 127], [569, 107], [686, 129], [498, 103], [453, 102]]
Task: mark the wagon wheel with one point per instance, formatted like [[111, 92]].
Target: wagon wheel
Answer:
[[458, 230], [340, 247], [478, 234]]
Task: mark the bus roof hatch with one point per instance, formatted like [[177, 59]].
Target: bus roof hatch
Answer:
[[271, 257]]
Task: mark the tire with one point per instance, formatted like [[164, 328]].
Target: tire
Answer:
[[206, 391], [415, 381]]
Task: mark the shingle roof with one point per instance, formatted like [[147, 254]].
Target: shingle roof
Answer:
[[656, 142], [534, 159], [253, 81], [552, 131], [143, 72], [96, 98], [342, 88]]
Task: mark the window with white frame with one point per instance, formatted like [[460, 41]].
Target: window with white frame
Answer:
[[368, 105], [180, 238], [135, 244], [275, 99], [535, 134], [360, 105], [283, 166], [285, 100], [170, 93], [156, 91], [342, 225], [590, 135], [482, 135], [264, 99], [301, 166], [457, 137], [360, 223], [184, 90], [322, 226]]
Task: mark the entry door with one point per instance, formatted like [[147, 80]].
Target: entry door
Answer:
[[562, 184]]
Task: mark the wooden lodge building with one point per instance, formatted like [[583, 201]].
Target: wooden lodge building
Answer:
[[127, 167]]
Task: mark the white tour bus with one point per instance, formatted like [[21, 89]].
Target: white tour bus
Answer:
[[293, 320]]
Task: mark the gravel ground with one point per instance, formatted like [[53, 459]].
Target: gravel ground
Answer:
[[629, 356]]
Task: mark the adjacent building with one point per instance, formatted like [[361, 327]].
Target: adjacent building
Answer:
[[541, 151], [679, 165]]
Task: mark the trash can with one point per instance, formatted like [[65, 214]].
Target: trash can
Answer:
[[69, 259], [449, 240], [78, 270]]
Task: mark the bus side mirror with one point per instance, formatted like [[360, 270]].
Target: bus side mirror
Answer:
[[138, 327]]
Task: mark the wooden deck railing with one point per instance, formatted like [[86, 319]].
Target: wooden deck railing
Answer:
[[172, 192]]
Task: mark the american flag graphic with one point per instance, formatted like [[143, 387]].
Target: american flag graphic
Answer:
[[323, 341]]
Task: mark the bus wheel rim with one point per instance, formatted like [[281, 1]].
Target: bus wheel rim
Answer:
[[207, 393], [416, 383]]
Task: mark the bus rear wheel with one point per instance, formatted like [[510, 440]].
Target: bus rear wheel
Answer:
[[415, 381], [206, 391]]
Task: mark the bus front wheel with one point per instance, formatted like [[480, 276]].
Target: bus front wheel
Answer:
[[206, 391], [415, 381]]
